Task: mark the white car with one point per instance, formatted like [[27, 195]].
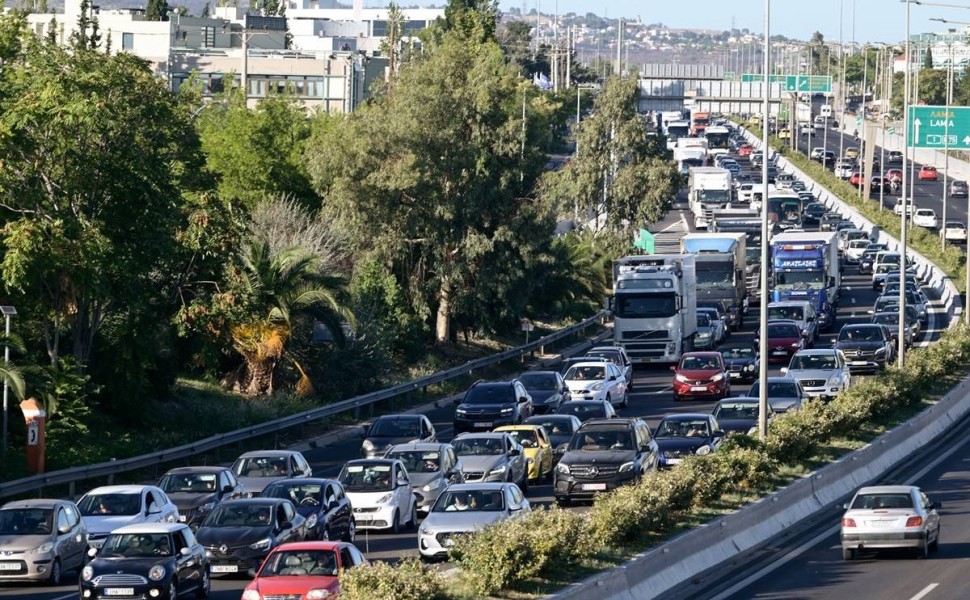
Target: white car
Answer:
[[926, 217], [746, 192], [379, 489], [955, 231], [109, 507], [823, 372], [898, 209], [597, 380], [259, 468], [855, 250], [817, 152]]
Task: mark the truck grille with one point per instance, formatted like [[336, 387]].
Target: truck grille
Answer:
[[646, 335]]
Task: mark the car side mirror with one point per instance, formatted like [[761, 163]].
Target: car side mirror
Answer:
[[936, 505], [612, 377], [333, 504], [64, 529], [784, 370], [403, 483], [523, 399], [227, 489], [185, 551], [718, 433], [458, 399], [92, 552], [514, 452], [285, 525]]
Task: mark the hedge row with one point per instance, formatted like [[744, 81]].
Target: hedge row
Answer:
[[547, 543]]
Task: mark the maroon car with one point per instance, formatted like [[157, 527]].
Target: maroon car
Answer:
[[784, 340], [701, 375]]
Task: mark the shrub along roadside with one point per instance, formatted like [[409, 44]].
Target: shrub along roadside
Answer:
[[546, 543]]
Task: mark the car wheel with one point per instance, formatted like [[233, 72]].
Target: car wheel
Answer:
[[56, 576], [351, 532], [206, 587], [936, 541], [395, 522], [848, 554], [325, 534], [626, 399], [563, 502], [524, 484], [924, 549], [173, 590], [412, 523]]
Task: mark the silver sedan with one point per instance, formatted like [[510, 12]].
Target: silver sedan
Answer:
[[890, 516]]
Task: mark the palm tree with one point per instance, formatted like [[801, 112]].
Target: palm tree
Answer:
[[280, 289]]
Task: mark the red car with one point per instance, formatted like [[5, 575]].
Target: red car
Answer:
[[857, 179], [784, 340], [745, 150], [927, 173], [701, 375], [894, 175], [307, 570]]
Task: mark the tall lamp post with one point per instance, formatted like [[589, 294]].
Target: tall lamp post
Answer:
[[8, 313], [763, 328]]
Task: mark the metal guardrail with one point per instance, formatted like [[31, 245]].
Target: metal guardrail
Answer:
[[69, 476]]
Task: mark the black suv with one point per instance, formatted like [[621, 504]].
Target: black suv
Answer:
[[867, 347], [813, 213], [602, 455], [487, 405]]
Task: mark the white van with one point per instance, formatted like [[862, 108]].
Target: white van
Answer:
[[825, 110]]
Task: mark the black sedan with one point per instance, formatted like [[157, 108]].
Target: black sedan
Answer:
[[682, 435], [738, 414], [197, 490], [559, 428], [147, 560], [238, 534], [740, 360], [547, 388], [813, 213], [322, 502]]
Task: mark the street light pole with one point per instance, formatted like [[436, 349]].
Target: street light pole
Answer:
[[901, 355], [763, 326], [8, 312]]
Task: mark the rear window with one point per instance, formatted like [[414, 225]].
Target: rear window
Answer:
[[882, 501]]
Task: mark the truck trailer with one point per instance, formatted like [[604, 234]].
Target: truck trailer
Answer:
[[720, 260]]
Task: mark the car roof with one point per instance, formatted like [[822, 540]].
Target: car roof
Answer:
[[481, 435], [575, 402], [311, 545], [150, 528], [788, 303], [863, 325], [783, 322], [590, 363], [543, 372], [519, 427], [556, 416], [206, 470], [605, 349], [702, 354], [816, 352], [401, 417], [624, 423], [745, 399], [420, 446], [685, 416], [118, 489], [257, 501], [372, 461], [887, 489], [779, 379], [276, 453], [304, 481], [468, 487], [491, 384], [34, 503]]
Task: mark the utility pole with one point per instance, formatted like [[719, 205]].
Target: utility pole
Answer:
[[569, 55], [619, 49]]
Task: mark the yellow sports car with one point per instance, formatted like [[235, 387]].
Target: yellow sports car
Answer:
[[538, 449]]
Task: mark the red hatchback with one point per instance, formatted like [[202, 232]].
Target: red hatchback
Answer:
[[307, 570], [927, 173], [894, 175], [701, 375], [745, 150], [784, 340], [857, 179]]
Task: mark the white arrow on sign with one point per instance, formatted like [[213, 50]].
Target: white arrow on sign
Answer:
[[802, 83], [916, 124], [966, 141]]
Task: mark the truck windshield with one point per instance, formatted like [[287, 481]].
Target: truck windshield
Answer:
[[785, 209], [711, 276], [719, 196], [646, 306], [677, 131], [800, 280], [752, 254]]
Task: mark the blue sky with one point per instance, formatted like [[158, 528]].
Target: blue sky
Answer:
[[875, 20]]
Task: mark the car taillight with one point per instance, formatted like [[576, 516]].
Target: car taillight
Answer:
[[914, 521], [847, 522]]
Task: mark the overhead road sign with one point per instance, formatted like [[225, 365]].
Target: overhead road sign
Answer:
[[939, 127], [795, 83]]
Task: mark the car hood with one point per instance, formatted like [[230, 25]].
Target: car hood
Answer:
[[366, 499], [737, 425], [705, 329], [859, 345], [699, 374], [540, 396], [598, 456], [423, 479], [22, 542], [481, 463], [684, 445], [812, 373], [740, 362], [133, 565], [296, 585], [462, 520], [231, 536], [781, 403], [97, 524], [783, 341], [188, 501], [255, 485], [582, 385], [381, 441]]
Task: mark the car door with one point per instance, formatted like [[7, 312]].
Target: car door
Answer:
[[65, 546], [170, 512], [544, 456], [286, 523], [405, 497], [428, 433], [343, 512], [186, 565], [515, 457], [79, 534], [932, 516]]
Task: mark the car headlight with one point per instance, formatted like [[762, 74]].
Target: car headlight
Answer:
[[264, 543], [681, 378], [317, 594], [311, 521], [508, 410], [704, 335], [251, 595], [717, 377], [835, 380], [626, 467], [157, 573], [596, 386], [703, 451], [749, 367], [432, 486], [42, 549], [562, 468], [87, 573], [461, 412], [497, 470], [881, 351], [385, 498]]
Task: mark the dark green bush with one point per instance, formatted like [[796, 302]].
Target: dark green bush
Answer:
[[408, 580]]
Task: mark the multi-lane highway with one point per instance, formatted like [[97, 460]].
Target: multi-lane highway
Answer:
[[651, 400]]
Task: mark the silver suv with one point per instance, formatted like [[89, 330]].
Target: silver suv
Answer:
[[823, 373]]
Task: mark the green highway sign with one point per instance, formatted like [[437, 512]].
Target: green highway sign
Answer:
[[939, 127], [795, 83], [644, 241]]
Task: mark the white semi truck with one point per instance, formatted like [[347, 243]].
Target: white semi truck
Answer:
[[654, 306], [709, 189]]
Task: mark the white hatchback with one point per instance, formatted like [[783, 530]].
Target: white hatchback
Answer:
[[955, 231], [110, 507], [597, 380], [379, 489], [926, 217]]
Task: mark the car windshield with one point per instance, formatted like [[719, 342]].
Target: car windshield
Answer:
[[110, 505], [240, 515], [136, 545], [595, 440], [583, 410], [525, 437], [366, 478], [307, 494], [396, 428], [736, 410], [776, 389], [783, 331], [322, 563], [261, 466], [735, 352], [683, 428], [813, 361], [886, 318], [860, 334], [190, 483], [479, 446], [544, 382], [609, 355], [418, 461], [703, 321], [26, 521], [471, 501], [795, 313], [699, 363], [585, 373], [563, 426], [882, 501]]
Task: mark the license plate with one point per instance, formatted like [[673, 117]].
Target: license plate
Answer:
[[483, 424], [594, 487], [879, 524], [224, 569], [735, 374], [779, 353], [673, 461], [182, 518], [698, 388], [119, 591], [9, 566], [858, 363]]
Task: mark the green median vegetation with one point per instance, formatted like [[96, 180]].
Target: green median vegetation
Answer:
[[547, 548]]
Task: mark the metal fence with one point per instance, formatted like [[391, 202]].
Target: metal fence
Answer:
[[70, 476]]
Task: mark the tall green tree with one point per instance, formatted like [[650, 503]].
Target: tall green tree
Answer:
[[157, 10]]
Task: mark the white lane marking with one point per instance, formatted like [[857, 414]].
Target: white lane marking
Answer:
[[65, 597], [925, 591], [683, 219], [666, 389]]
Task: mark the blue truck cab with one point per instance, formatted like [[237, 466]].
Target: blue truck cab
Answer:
[[806, 267]]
